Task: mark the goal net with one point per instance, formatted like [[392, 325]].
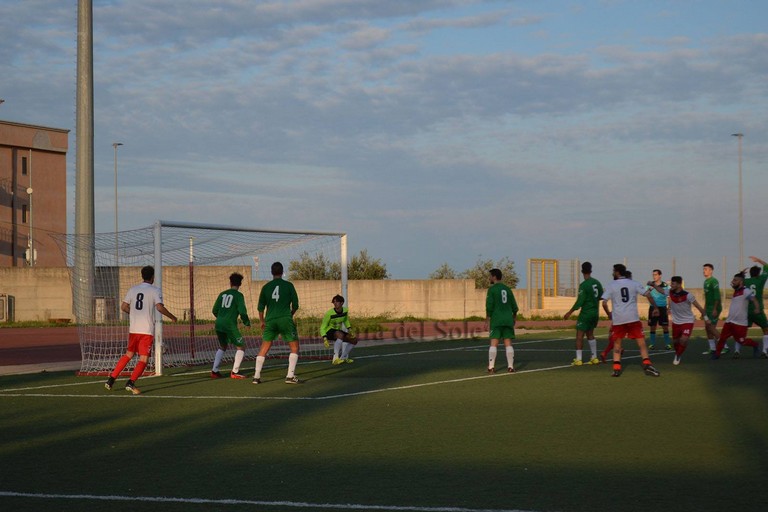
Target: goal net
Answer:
[[193, 263]]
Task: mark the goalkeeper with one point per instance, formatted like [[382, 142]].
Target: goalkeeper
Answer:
[[336, 327]]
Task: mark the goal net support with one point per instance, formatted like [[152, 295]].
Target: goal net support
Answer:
[[193, 263]]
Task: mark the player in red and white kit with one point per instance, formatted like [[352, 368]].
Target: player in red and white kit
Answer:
[[737, 322], [625, 320], [140, 303], [680, 303]]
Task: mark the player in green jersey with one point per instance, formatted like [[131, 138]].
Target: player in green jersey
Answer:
[[281, 302], [756, 282], [713, 306], [336, 326], [588, 300], [501, 313], [229, 306]]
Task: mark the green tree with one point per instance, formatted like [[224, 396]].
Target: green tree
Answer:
[[318, 267], [444, 272], [363, 266], [479, 273]]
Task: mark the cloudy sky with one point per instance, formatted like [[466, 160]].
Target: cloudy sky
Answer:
[[430, 131]]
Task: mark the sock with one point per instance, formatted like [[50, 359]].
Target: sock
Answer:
[[138, 370], [119, 366], [646, 362], [617, 365], [666, 339], [578, 355], [510, 357], [239, 355], [346, 348], [711, 344], [737, 347], [492, 357], [337, 348], [749, 342], [653, 338], [259, 365], [593, 348], [217, 360], [765, 343], [292, 360]]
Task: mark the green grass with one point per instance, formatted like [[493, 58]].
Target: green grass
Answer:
[[415, 425]]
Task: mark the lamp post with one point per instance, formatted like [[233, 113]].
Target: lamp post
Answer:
[[117, 249], [740, 136]]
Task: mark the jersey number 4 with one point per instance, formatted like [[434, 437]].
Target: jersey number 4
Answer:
[[276, 293]]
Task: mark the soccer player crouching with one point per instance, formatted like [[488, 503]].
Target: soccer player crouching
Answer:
[[680, 303], [335, 326]]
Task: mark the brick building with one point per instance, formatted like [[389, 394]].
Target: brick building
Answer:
[[33, 194]]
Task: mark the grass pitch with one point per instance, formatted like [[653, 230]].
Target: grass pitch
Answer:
[[411, 427]]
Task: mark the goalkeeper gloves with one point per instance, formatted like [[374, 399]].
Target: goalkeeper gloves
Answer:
[[325, 342]]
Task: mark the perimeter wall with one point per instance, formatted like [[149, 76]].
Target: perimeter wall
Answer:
[[43, 294]]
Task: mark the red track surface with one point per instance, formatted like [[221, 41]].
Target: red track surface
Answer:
[[60, 344]]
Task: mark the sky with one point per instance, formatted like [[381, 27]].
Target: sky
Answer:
[[429, 131]]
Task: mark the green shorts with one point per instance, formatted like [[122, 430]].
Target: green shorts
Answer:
[[713, 315], [230, 336], [283, 326], [757, 319], [587, 321], [502, 332]]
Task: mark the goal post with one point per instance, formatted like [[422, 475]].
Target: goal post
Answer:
[[193, 263]]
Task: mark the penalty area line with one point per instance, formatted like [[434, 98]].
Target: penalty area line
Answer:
[[287, 504]]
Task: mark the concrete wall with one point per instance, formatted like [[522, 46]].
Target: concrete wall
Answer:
[[46, 293]]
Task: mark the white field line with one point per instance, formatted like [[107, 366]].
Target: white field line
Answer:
[[19, 392], [234, 502]]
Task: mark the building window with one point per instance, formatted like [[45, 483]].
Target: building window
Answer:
[[23, 214], [23, 166]]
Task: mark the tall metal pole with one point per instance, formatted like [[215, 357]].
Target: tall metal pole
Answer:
[[117, 249], [85, 264], [740, 136]]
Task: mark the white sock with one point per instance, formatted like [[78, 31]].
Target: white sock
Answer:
[[259, 365], [217, 360], [510, 357], [578, 355], [337, 348], [346, 349], [492, 357], [737, 347], [292, 360], [765, 343], [711, 344], [593, 348], [239, 355]]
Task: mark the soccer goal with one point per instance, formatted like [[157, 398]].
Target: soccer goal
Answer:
[[193, 263]]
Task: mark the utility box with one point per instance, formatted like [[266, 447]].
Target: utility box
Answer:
[[7, 308]]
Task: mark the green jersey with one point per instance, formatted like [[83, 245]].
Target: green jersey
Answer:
[[229, 305], [279, 298], [757, 284], [588, 299], [335, 320], [500, 306], [712, 295]]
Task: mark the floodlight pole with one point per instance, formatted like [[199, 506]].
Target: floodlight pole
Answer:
[[740, 136]]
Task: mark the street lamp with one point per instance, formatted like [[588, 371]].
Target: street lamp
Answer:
[[117, 250], [741, 207]]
